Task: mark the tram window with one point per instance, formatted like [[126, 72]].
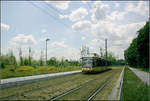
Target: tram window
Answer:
[[87, 62], [95, 62]]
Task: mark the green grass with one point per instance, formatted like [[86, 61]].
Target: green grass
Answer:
[[134, 88], [144, 69], [29, 71]]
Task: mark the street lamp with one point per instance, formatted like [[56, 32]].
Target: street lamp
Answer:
[[46, 55]]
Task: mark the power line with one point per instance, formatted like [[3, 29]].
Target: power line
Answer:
[[46, 12], [88, 5], [54, 8]]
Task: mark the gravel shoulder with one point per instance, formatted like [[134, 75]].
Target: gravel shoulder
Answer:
[[144, 76]]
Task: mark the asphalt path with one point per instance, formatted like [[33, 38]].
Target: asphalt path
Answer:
[[144, 76]]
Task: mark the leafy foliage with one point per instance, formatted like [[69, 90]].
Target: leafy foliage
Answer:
[[137, 53], [25, 68]]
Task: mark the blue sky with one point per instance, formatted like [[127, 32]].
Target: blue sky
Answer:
[[70, 25]]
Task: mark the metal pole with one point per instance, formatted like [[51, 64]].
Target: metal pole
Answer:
[[106, 49], [46, 58]]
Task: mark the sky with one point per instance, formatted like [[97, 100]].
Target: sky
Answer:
[[70, 25]]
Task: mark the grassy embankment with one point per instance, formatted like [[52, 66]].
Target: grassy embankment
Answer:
[[12, 71], [134, 88], [144, 69]]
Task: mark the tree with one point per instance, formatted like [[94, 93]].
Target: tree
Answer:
[[136, 54], [111, 57], [52, 61], [41, 58], [131, 54], [21, 58], [26, 62], [12, 58], [143, 46], [29, 56], [4, 61], [101, 53]]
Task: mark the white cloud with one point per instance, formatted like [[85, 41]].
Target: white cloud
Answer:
[[24, 42], [116, 15], [62, 50], [119, 36], [99, 11], [5, 26], [60, 4], [95, 44], [81, 26], [59, 44], [83, 38], [63, 16], [44, 31], [117, 5], [104, 29], [21, 40], [76, 15], [84, 1], [43, 39], [141, 8]]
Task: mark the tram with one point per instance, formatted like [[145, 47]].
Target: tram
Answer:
[[94, 63]]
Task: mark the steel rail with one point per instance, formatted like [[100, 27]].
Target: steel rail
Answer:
[[74, 89], [99, 89]]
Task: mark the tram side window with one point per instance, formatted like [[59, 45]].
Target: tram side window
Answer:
[[99, 62], [95, 62]]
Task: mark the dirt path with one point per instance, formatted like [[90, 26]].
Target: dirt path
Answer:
[[142, 75]]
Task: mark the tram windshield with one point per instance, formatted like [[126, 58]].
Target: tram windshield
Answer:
[[87, 62]]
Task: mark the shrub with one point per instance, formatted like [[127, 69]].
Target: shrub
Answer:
[[25, 68], [10, 66], [52, 68], [41, 68], [2, 65]]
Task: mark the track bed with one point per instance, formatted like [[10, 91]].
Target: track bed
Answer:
[[81, 87]]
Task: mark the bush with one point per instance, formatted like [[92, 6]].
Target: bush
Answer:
[[52, 68], [35, 66], [25, 68], [10, 66], [41, 68], [2, 65]]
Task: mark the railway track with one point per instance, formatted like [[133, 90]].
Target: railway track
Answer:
[[57, 89], [18, 91], [99, 89], [90, 97]]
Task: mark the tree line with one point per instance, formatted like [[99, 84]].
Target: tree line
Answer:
[[137, 54], [10, 59]]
